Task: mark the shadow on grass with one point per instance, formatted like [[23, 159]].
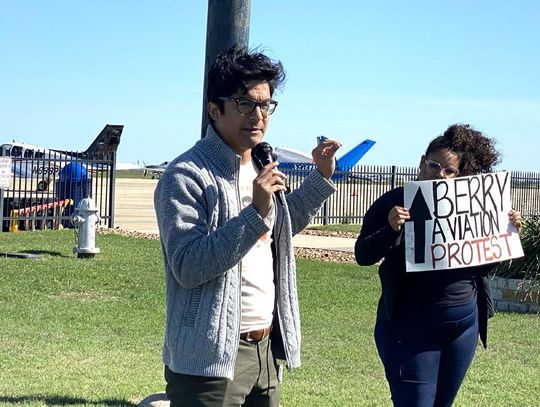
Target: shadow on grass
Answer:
[[31, 254], [64, 401], [45, 252]]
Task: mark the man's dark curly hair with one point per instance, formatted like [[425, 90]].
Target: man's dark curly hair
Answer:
[[476, 152], [237, 66]]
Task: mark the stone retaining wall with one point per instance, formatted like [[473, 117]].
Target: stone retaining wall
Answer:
[[515, 295]]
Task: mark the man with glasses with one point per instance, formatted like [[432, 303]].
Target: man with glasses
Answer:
[[232, 306]]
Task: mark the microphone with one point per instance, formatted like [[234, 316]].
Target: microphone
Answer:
[[263, 154]]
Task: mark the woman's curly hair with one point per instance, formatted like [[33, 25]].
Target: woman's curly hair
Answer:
[[476, 152]]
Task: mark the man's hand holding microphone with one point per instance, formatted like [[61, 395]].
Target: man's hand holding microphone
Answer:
[[272, 181]]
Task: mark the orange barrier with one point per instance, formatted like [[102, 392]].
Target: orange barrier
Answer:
[[30, 223], [48, 205]]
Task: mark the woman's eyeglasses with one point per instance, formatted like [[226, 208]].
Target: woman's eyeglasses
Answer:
[[437, 167]]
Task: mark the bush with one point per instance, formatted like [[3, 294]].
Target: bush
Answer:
[[528, 266]]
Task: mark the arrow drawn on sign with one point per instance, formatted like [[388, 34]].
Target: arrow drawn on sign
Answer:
[[419, 212]]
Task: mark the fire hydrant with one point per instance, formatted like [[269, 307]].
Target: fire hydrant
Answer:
[[85, 218]]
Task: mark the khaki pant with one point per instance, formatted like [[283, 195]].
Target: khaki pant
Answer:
[[255, 382]]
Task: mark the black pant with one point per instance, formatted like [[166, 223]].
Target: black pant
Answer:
[[255, 382], [426, 353]]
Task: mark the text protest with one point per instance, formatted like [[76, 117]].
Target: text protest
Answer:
[[459, 222]]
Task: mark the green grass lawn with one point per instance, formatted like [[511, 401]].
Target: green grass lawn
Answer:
[[89, 331]]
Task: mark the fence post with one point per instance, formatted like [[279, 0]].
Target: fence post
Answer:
[[112, 190], [393, 176], [1, 209], [325, 213]]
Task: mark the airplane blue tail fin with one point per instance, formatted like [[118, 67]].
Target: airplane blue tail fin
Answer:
[[352, 157]]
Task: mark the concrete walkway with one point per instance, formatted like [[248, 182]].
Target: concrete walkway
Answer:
[[342, 244]]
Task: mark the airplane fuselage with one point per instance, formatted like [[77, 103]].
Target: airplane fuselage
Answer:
[[31, 160]]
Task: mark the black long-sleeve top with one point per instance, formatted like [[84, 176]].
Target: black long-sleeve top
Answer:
[[414, 290]]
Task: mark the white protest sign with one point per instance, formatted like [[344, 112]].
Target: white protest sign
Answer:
[[459, 222], [5, 172]]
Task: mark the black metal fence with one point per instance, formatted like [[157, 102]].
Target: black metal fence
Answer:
[[525, 192], [47, 186], [358, 188], [45, 190]]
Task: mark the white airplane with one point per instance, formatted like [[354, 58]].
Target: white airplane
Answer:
[[293, 159], [155, 170], [42, 164]]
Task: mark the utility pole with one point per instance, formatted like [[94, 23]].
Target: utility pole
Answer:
[[227, 24]]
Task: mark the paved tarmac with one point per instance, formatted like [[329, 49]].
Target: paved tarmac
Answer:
[[134, 210]]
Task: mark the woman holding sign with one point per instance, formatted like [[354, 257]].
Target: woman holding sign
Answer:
[[428, 322]]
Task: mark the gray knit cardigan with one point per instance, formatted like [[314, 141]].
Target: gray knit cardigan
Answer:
[[204, 236]]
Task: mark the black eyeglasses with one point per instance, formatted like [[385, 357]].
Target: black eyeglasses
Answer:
[[247, 106], [437, 167]]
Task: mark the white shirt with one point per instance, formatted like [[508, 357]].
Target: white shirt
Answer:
[[258, 288]]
